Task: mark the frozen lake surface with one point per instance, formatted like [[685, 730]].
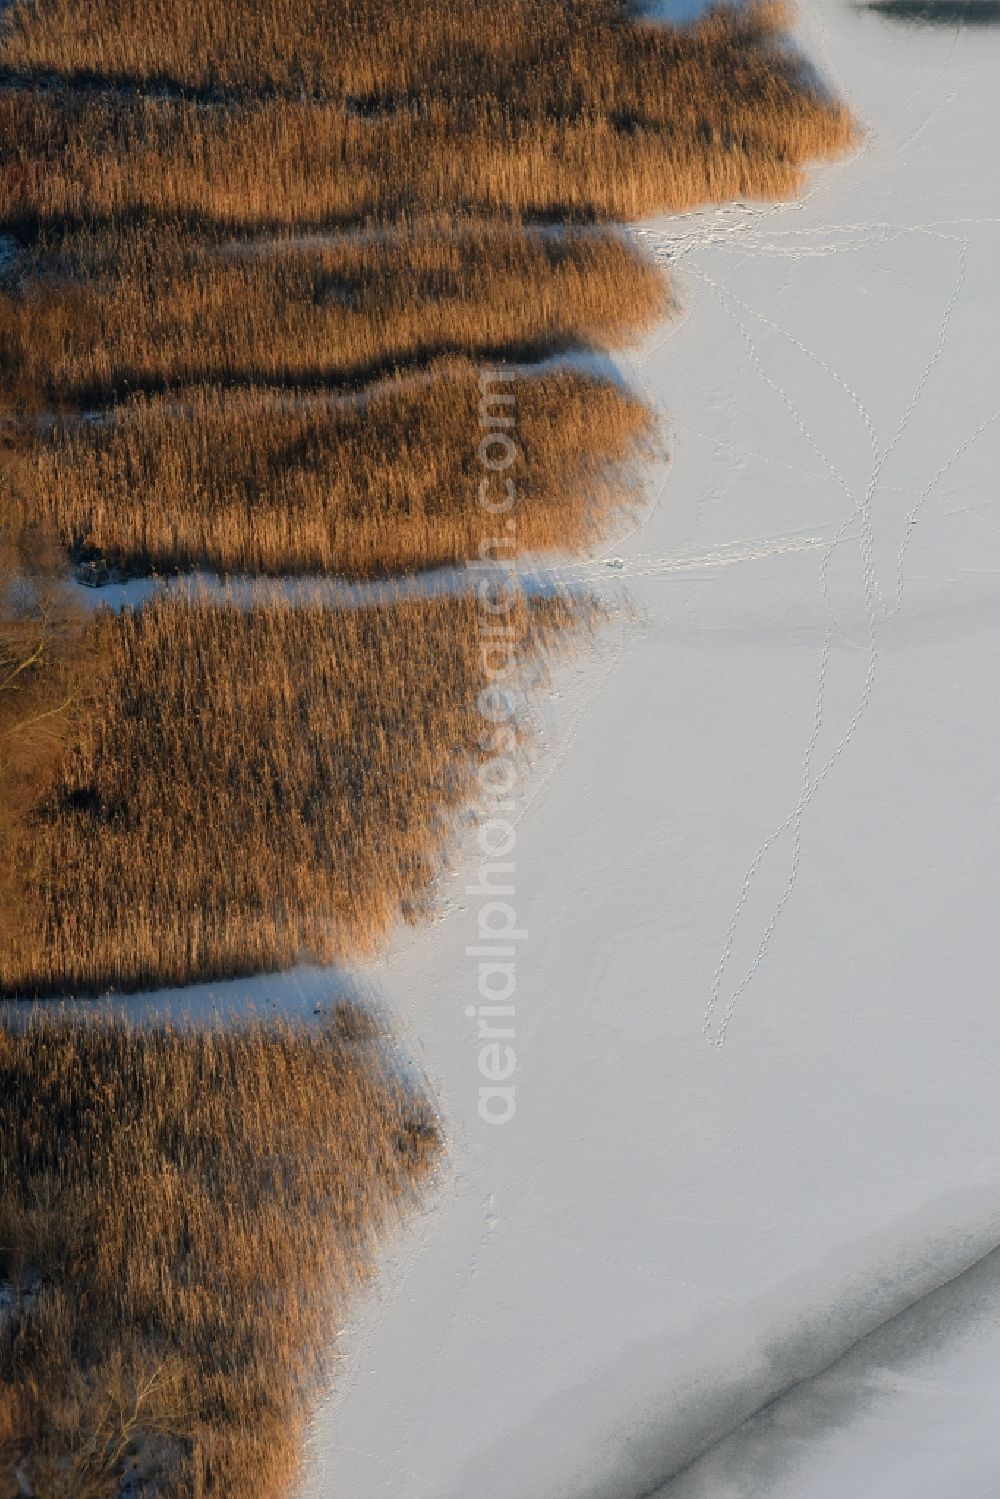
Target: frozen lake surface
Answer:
[[758, 1016]]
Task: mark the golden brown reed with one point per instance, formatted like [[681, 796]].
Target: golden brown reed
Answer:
[[44, 671], [184, 1216], [255, 786], [105, 314], [264, 481], [585, 113], [525, 51]]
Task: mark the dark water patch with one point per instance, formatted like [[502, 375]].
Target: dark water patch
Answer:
[[900, 1357], [937, 12]]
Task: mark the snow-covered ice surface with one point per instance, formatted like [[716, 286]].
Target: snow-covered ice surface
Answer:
[[759, 1003], [912, 1409]]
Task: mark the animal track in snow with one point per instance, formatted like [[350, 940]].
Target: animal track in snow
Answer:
[[650, 565], [715, 1029]]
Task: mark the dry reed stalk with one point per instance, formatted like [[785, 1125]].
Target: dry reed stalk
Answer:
[[264, 481], [255, 786], [529, 53], [187, 1215], [100, 315], [584, 113], [44, 670]]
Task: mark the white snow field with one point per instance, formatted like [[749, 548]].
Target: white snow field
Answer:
[[758, 1006]]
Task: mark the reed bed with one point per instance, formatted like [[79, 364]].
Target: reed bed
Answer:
[[255, 786], [100, 315], [169, 128], [540, 56], [227, 787], [722, 110], [45, 668], [265, 481], [184, 1218]]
